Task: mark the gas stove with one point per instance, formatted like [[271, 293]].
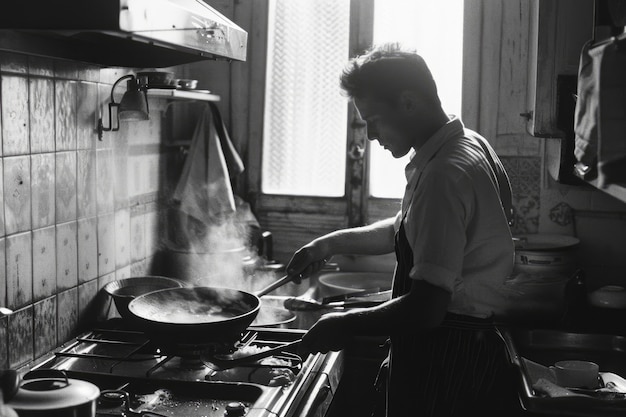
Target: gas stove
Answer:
[[137, 377]]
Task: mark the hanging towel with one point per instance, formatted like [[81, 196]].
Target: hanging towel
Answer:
[[233, 161], [612, 113], [586, 113], [204, 188]]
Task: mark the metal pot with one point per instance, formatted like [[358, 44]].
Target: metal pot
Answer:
[[541, 253], [49, 392]]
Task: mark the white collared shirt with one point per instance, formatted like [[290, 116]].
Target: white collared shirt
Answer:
[[455, 223]]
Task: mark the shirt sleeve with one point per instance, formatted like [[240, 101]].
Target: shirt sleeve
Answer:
[[436, 223]]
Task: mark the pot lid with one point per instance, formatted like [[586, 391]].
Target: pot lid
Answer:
[[52, 392], [545, 242]]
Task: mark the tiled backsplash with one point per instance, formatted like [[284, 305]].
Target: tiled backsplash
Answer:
[[75, 212]]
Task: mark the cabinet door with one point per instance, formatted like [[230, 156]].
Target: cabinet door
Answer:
[[558, 31]]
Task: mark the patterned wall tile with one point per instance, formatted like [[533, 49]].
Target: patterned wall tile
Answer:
[[41, 115], [110, 75], [123, 273], [4, 343], [137, 235], [43, 189], [12, 62], [17, 197], [525, 176], [15, 116], [19, 263], [105, 279], [67, 314], [21, 349], [65, 111], [67, 255], [40, 66], [2, 221], [86, 183], [108, 307], [121, 179], [87, 303], [122, 237], [152, 240], [87, 249], [66, 69], [140, 268], [144, 170], [105, 177], [3, 275], [45, 317], [65, 186], [86, 118], [89, 73], [106, 244], [44, 263]]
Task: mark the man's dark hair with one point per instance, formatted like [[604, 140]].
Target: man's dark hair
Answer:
[[384, 71]]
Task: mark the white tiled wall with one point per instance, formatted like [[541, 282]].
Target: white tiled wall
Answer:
[[75, 212]]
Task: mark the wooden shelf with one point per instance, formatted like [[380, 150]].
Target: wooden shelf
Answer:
[[174, 94]]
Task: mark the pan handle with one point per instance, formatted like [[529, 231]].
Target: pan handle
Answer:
[[275, 285]]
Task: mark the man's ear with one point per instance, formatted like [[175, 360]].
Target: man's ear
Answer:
[[408, 101]]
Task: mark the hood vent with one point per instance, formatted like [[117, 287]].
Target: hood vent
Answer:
[[124, 33]]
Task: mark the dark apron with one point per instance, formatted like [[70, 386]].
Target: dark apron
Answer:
[[455, 369]]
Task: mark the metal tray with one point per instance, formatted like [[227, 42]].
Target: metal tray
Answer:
[[545, 346]]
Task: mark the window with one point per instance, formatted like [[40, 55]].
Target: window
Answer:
[[305, 118], [304, 143]]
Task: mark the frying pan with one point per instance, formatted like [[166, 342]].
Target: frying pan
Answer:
[[197, 315]]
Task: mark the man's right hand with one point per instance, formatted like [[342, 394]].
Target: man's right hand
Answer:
[[308, 260]]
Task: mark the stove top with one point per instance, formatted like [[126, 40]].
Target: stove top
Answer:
[[136, 376]]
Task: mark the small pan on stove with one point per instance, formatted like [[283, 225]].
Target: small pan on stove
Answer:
[[197, 315]]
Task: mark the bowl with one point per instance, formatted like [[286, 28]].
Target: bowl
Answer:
[[336, 283], [123, 291], [186, 84], [609, 296]]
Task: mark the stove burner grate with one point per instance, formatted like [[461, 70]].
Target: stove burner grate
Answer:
[[116, 346]]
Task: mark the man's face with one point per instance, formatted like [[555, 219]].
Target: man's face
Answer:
[[386, 124]]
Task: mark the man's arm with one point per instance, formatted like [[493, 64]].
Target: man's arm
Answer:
[[424, 307], [374, 239]]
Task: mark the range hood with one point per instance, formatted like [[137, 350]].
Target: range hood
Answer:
[[124, 33]]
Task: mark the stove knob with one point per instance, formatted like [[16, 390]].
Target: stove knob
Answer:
[[235, 409]]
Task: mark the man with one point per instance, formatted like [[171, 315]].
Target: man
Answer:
[[452, 241]]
